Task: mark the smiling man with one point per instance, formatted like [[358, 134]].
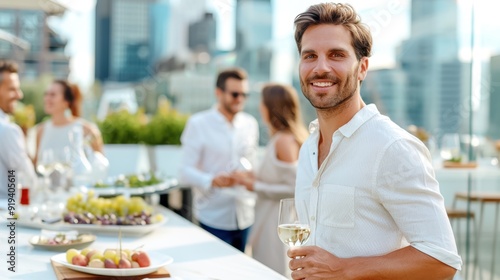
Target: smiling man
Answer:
[[13, 157], [375, 209], [213, 142]]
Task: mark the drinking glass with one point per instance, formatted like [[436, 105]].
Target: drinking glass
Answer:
[[63, 160], [245, 164], [242, 166], [293, 229], [450, 147], [46, 164]]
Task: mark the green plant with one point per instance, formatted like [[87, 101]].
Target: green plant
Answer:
[[165, 127], [24, 116], [122, 127], [33, 91]]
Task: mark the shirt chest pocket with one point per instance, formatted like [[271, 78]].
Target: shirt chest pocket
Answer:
[[336, 206]]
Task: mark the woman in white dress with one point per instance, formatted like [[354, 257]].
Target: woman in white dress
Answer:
[[65, 129], [274, 179]]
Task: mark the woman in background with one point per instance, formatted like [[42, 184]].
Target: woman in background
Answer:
[[65, 128], [275, 177]]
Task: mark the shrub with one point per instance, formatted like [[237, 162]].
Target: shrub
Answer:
[[122, 127], [24, 116], [165, 128]]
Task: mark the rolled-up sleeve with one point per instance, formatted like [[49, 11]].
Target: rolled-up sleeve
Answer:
[[407, 188]]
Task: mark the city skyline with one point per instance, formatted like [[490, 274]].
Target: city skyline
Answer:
[[388, 19], [385, 18]]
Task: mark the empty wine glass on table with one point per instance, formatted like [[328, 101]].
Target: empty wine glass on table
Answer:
[[63, 160], [293, 226], [46, 164], [450, 147]]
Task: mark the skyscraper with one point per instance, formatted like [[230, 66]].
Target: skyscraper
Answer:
[[122, 45], [202, 34], [29, 40], [253, 37], [430, 60], [494, 114], [386, 88], [132, 36]]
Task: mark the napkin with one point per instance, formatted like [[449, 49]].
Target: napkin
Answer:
[[64, 273]]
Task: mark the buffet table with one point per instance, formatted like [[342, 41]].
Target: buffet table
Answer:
[[196, 253]]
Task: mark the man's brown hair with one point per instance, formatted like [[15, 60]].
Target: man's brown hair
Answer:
[[235, 73], [338, 14], [7, 66]]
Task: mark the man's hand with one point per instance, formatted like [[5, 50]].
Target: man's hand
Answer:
[[312, 262], [245, 178], [223, 181]]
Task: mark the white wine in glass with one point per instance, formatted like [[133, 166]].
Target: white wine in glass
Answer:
[[63, 160], [293, 229], [46, 163]]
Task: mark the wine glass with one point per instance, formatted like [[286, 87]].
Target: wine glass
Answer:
[[293, 225], [450, 147], [45, 164], [63, 160], [245, 164], [242, 167]]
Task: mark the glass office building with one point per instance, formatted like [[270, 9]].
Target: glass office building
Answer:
[[26, 38], [123, 46]]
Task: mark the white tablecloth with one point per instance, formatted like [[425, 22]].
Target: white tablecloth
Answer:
[[196, 253]]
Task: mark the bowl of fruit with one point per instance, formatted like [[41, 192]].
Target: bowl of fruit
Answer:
[[112, 261]]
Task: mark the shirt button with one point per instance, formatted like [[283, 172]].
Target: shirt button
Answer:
[[313, 218]]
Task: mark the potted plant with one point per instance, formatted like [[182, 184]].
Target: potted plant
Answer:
[[121, 133], [163, 133]]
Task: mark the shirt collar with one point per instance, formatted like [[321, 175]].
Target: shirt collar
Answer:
[[221, 118], [4, 116], [356, 122], [217, 114]]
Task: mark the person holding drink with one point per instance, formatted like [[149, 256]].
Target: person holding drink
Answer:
[[375, 210], [274, 179], [215, 143]]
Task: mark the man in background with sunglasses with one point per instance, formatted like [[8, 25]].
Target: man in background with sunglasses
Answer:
[[214, 142]]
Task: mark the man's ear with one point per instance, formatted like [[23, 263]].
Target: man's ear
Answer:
[[218, 93], [363, 68]]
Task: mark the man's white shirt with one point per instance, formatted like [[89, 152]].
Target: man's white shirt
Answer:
[[374, 193], [13, 155], [211, 145]]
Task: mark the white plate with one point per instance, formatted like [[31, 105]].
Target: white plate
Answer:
[[114, 190], [85, 240], [103, 229], [157, 261]]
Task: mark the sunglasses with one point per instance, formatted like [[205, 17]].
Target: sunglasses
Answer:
[[235, 94]]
